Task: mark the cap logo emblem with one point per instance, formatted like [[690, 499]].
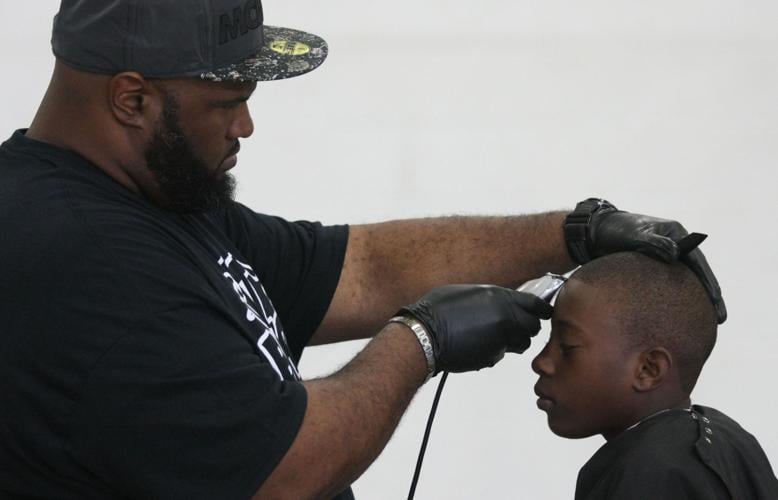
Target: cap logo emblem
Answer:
[[242, 20], [287, 48]]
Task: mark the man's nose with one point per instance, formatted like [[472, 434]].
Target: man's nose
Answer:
[[243, 126]]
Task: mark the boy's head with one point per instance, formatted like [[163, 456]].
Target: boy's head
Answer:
[[629, 336]]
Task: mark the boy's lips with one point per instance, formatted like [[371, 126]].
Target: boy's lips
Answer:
[[545, 402]]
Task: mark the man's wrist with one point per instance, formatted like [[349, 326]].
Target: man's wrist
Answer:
[[576, 228], [424, 338]]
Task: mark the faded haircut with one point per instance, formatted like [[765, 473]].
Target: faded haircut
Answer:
[[660, 305]]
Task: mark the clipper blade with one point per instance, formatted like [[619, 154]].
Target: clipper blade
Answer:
[[544, 287]]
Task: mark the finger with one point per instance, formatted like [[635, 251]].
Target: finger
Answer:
[[526, 322], [697, 262], [721, 311], [659, 247], [690, 242], [534, 305], [527, 309], [525, 325], [518, 343]]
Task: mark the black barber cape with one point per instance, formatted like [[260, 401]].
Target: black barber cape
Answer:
[[144, 354], [697, 454]]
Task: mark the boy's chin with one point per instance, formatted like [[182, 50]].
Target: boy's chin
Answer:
[[570, 431]]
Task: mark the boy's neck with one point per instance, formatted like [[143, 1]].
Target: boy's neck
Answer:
[[652, 411]]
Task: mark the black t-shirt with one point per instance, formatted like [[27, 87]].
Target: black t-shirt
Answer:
[[700, 454], [145, 354]]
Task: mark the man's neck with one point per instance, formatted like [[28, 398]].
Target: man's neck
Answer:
[[73, 136]]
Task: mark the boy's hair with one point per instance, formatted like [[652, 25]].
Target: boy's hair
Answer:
[[659, 304]]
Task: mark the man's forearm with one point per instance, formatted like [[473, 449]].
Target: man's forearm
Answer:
[[349, 418], [504, 251], [391, 264]]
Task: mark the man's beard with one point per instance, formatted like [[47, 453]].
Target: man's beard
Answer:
[[186, 183]]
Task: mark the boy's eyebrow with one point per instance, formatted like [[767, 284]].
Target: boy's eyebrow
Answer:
[[564, 322]]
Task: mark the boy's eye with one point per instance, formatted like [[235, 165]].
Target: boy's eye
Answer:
[[566, 348]]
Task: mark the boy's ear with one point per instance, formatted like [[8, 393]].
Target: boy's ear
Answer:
[[652, 369]]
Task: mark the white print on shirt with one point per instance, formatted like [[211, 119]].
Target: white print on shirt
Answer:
[[260, 310]]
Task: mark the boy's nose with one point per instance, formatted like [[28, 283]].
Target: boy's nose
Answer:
[[542, 364]]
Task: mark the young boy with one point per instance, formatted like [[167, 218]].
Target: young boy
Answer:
[[629, 337]]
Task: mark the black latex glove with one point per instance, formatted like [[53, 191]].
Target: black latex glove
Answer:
[[472, 326], [612, 231]]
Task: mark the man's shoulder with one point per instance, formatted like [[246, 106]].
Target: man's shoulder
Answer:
[[72, 222], [51, 209], [52, 190]]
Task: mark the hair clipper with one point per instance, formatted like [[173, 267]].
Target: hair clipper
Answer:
[[545, 287]]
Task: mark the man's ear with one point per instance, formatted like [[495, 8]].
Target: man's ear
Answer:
[[653, 369], [133, 100]]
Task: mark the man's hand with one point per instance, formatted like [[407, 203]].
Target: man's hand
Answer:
[[609, 230], [473, 325], [470, 327]]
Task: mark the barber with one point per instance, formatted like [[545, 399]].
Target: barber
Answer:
[[152, 326]]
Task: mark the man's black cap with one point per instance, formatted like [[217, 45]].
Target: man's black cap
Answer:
[[218, 40]]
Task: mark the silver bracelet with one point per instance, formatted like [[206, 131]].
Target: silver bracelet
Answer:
[[424, 339]]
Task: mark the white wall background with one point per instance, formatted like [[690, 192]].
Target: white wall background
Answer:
[[494, 107]]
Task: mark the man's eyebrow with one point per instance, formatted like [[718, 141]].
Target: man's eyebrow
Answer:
[[234, 100]]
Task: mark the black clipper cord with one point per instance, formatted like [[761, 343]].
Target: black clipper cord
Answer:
[[426, 438]]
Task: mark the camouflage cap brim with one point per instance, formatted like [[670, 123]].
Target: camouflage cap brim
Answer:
[[286, 53]]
